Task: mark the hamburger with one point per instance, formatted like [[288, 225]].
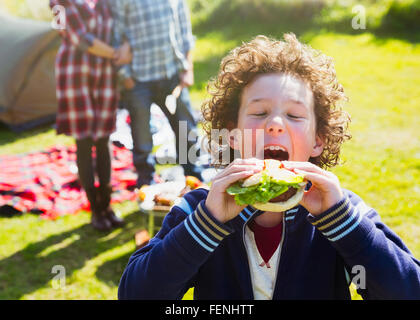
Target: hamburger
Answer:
[[275, 188]]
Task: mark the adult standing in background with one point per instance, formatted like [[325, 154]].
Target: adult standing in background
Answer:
[[86, 87], [160, 36]]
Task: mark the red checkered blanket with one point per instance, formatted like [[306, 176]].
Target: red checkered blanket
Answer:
[[47, 183]]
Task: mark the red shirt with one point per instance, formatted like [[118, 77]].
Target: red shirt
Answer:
[[266, 238]]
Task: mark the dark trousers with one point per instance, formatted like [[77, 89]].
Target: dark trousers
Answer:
[[86, 166], [139, 101]]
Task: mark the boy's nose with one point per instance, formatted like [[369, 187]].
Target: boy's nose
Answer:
[[275, 126]]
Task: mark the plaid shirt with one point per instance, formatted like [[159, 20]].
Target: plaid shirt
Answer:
[[86, 85], [159, 33]]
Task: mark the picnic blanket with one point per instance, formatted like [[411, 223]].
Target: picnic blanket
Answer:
[[47, 182]]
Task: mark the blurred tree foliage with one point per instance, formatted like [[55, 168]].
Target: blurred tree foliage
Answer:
[[391, 16], [403, 15]]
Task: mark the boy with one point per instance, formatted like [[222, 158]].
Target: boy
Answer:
[[285, 94]]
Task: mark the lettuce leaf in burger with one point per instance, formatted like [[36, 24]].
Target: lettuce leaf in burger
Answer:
[[275, 188]]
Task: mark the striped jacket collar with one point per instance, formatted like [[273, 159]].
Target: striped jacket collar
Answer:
[[250, 213]]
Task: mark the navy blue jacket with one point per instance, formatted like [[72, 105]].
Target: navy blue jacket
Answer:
[[317, 257]]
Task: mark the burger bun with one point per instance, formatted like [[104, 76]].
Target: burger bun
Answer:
[[281, 206]]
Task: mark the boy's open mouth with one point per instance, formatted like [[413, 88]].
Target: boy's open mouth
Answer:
[[276, 152]]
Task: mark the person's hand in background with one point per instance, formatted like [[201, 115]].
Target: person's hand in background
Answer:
[[129, 83], [187, 78], [123, 55]]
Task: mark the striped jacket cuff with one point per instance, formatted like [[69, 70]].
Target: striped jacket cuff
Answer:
[[346, 225], [207, 231], [338, 221]]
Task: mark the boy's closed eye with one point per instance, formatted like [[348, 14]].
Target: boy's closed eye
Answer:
[[289, 115], [295, 116], [259, 114], [257, 111]]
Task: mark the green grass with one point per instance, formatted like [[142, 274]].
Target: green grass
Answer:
[[93, 262], [381, 163], [383, 158]]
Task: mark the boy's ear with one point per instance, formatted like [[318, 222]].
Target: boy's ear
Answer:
[[318, 147]]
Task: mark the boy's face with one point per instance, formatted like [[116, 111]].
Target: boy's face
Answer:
[[278, 111]]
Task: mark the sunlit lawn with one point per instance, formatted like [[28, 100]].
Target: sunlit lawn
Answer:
[[382, 165]]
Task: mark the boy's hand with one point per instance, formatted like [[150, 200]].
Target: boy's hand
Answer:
[[222, 205], [325, 190]]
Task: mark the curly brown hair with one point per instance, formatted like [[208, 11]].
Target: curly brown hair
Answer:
[[264, 55]]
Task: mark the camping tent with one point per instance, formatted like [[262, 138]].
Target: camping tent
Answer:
[[27, 81]]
